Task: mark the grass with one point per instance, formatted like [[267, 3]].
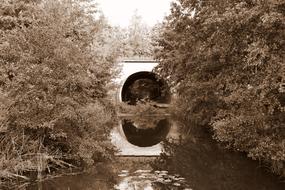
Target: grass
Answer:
[[21, 160]]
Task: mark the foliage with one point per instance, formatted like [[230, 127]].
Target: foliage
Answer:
[[226, 61], [54, 72], [139, 38], [135, 41]]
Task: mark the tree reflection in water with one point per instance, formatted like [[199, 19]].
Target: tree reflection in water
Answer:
[[208, 166]]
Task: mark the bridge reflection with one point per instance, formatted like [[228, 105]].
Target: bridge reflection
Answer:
[[147, 135]]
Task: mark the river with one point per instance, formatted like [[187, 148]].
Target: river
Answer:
[[197, 163]]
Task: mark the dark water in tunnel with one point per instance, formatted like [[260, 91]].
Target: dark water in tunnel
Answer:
[[199, 163]]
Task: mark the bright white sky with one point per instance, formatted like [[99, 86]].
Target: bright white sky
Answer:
[[119, 12]]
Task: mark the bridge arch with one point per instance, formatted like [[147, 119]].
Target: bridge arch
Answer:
[[144, 85], [138, 82]]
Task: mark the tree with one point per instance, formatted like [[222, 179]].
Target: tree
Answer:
[[138, 37], [135, 41], [226, 60], [54, 73]]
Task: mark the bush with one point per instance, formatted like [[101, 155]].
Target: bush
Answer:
[[226, 61], [54, 75]]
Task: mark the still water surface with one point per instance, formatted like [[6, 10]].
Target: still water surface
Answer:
[[198, 164]]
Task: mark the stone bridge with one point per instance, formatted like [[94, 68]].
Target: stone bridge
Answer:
[[137, 82]]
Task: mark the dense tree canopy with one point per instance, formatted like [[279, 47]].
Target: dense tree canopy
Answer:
[[54, 72], [226, 61]]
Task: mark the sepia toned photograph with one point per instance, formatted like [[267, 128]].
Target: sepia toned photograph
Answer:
[[142, 94]]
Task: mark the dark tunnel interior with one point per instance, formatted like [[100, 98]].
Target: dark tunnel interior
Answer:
[[145, 86]]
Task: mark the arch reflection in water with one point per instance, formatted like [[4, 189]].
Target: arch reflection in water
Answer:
[[146, 136]]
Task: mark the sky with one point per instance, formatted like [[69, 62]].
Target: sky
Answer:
[[119, 12]]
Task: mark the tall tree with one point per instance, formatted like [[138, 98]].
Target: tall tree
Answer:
[[54, 73], [137, 38], [226, 60]]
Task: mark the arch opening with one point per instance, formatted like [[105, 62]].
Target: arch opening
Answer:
[[145, 86]]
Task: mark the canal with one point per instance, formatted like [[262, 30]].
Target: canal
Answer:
[[194, 162]]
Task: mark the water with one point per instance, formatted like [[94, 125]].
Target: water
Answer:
[[148, 179], [198, 164], [122, 175], [147, 136]]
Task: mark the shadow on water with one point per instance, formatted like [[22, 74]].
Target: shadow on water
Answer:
[[208, 166]]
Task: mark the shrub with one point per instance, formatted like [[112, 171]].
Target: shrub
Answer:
[[54, 75], [226, 61]]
